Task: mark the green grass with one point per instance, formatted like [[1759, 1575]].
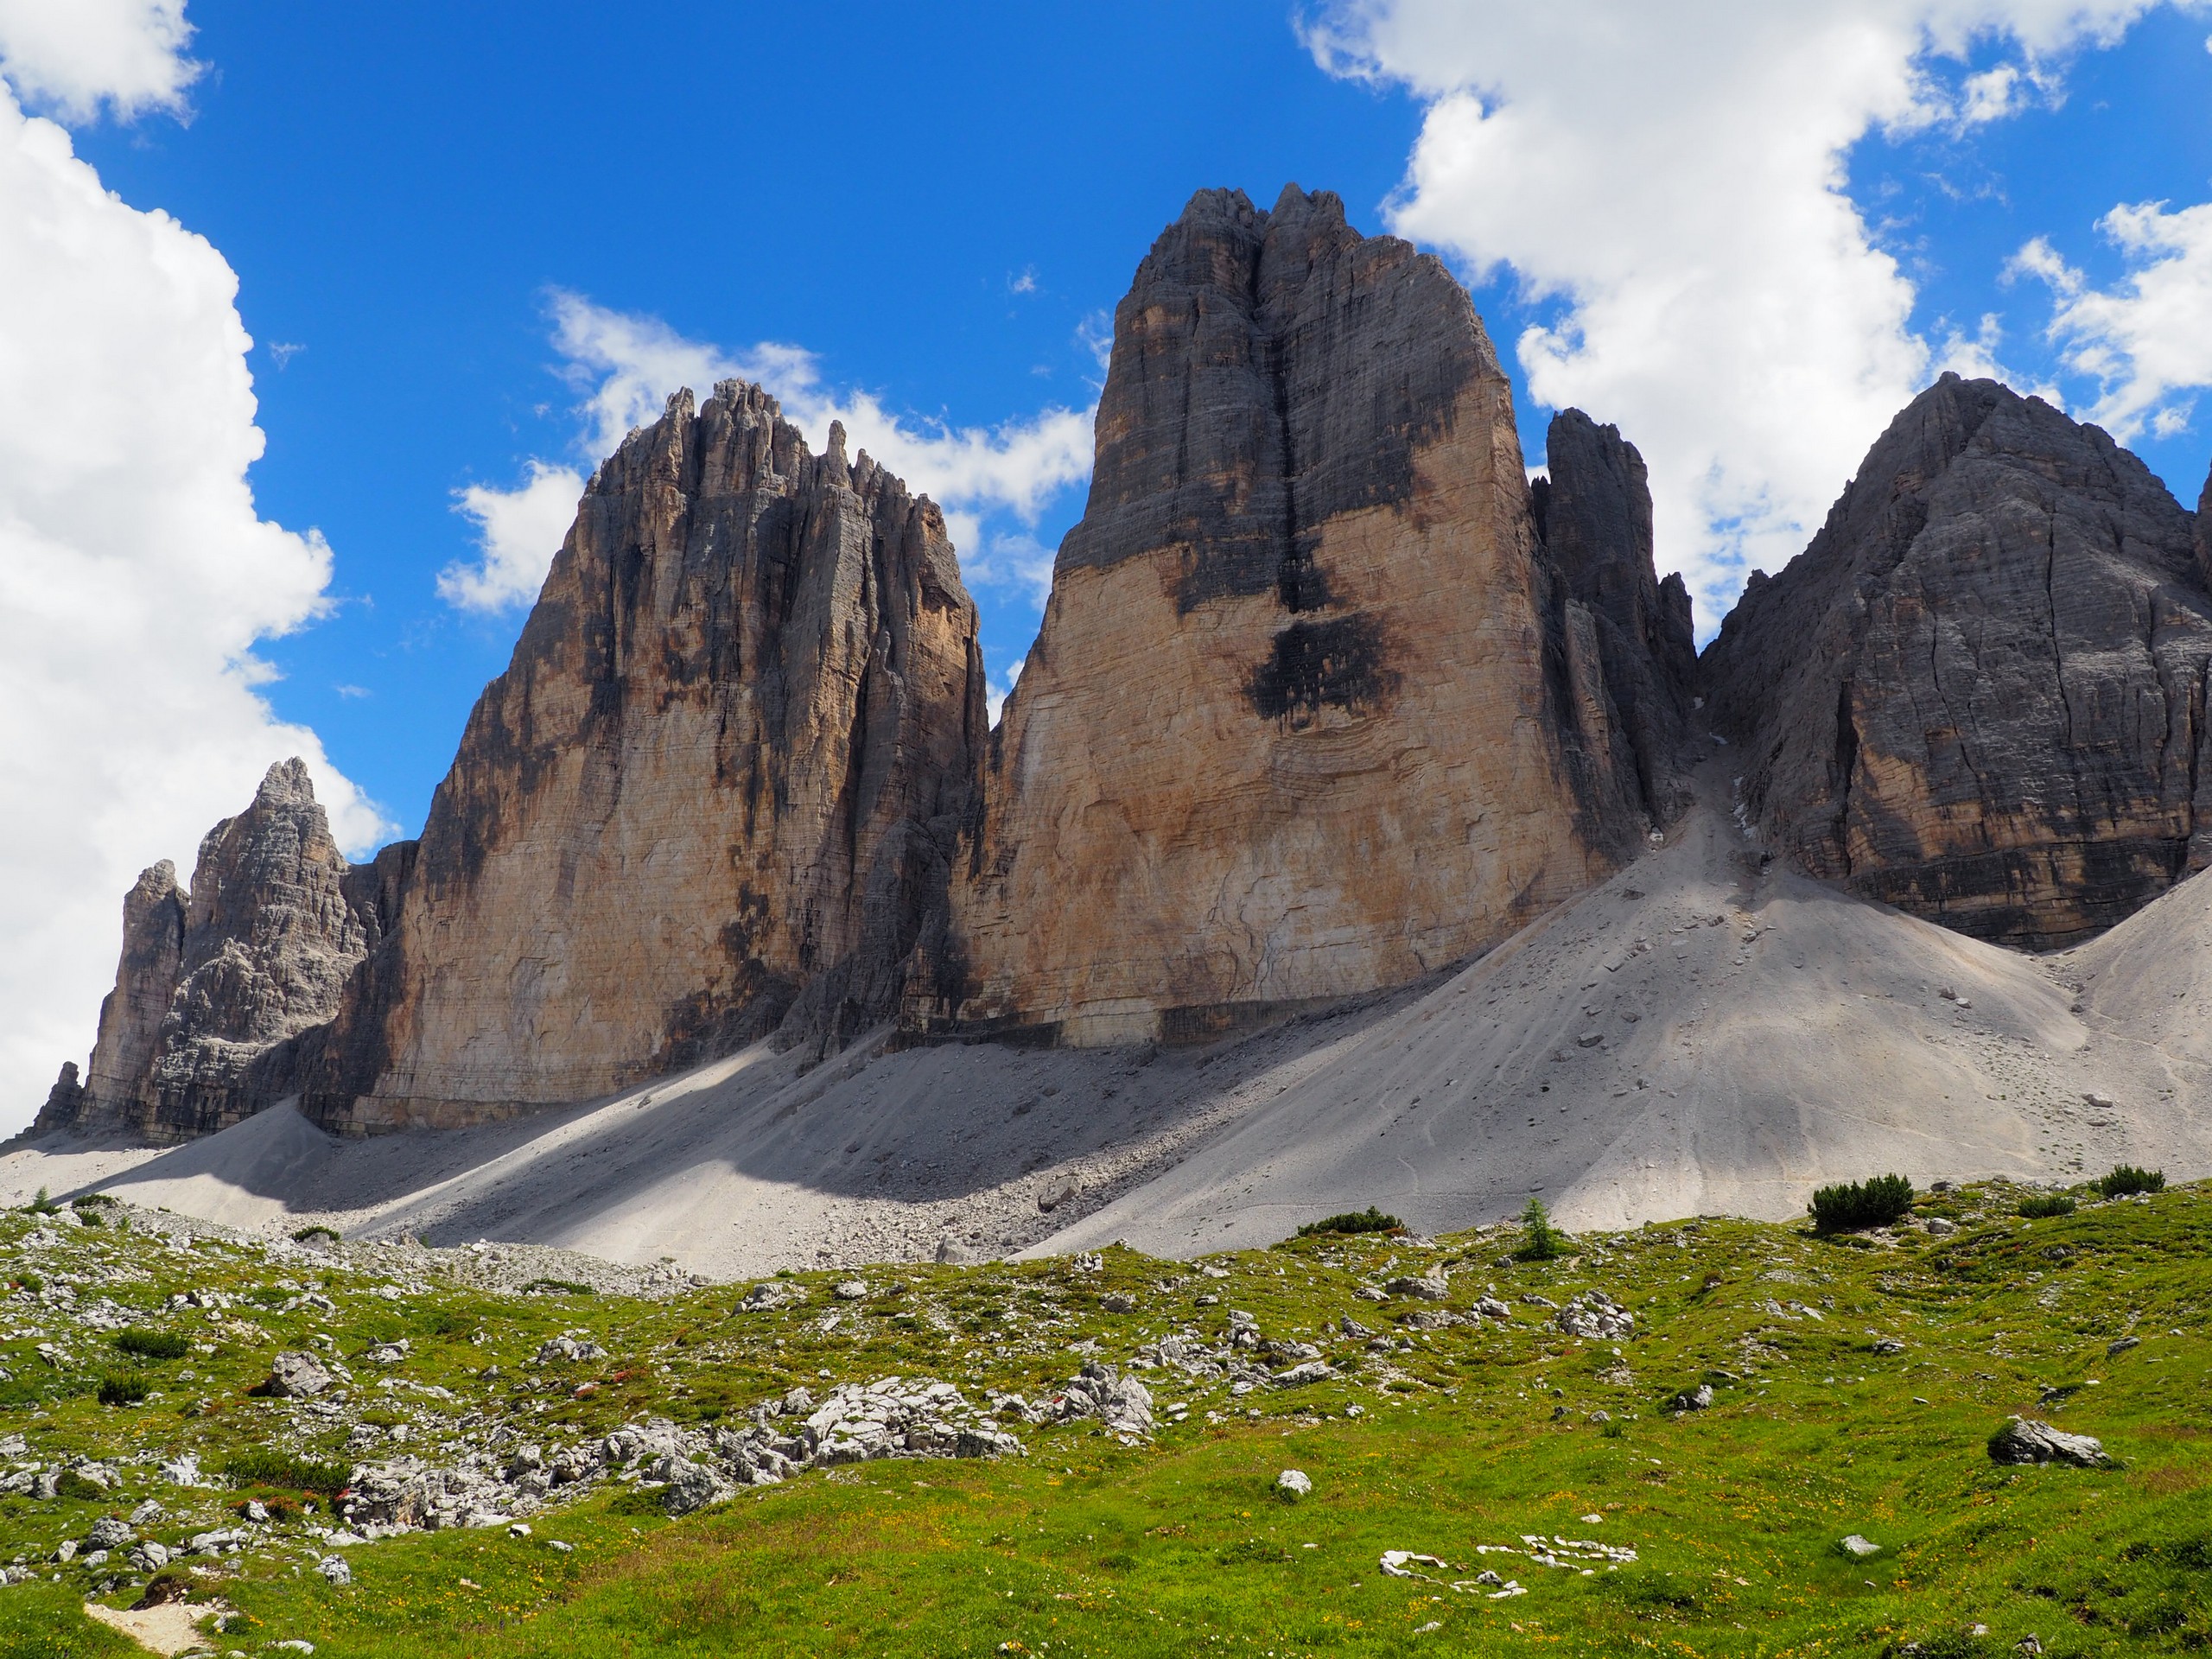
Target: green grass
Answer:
[[1476, 1434]]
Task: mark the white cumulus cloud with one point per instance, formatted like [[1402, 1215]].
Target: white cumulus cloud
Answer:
[[2146, 340], [1673, 178], [73, 57], [624, 366], [136, 577], [518, 531]]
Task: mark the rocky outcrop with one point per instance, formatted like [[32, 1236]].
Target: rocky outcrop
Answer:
[[718, 788], [2204, 533], [215, 986], [1310, 711], [1979, 693], [1594, 513]]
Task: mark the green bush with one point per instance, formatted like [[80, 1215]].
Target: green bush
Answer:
[[1852, 1206], [26, 1280], [282, 1469], [565, 1287], [2125, 1180], [153, 1345], [1543, 1243], [1370, 1220], [2045, 1206], [43, 1205], [307, 1233], [92, 1201], [123, 1388]]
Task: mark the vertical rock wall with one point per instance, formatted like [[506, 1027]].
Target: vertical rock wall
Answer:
[[213, 987], [718, 788], [1309, 714], [1979, 693], [1594, 513]]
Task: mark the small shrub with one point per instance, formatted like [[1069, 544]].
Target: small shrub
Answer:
[[564, 1287], [2043, 1206], [28, 1280], [153, 1345], [286, 1472], [1369, 1220], [123, 1389], [307, 1235], [637, 1501], [1543, 1243], [1852, 1205], [2125, 1180], [91, 1201], [73, 1485], [43, 1205]]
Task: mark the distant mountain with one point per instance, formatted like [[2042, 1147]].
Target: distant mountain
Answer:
[[1328, 696]]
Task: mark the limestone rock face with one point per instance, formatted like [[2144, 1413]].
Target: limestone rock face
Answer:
[[2204, 533], [213, 985], [1594, 513], [1979, 693], [1311, 712], [131, 1015], [719, 786]]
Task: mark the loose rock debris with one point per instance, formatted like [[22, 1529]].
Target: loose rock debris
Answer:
[[1571, 1553]]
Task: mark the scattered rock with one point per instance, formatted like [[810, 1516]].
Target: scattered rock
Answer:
[[1860, 1548], [1115, 1301], [1593, 1316], [2114, 1349], [1314, 1370], [568, 1349], [2024, 1439], [1431, 1286], [852, 1290], [297, 1375], [334, 1569], [1697, 1399], [1296, 1482]]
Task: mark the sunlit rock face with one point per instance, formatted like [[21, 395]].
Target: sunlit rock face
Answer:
[[717, 790], [1311, 712]]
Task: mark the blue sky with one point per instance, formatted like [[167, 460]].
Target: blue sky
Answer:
[[469, 244], [400, 187]]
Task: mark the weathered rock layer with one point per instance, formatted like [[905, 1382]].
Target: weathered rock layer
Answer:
[[1979, 693], [1311, 712], [719, 786], [215, 986]]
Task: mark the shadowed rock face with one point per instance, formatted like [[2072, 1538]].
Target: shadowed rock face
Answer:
[[718, 787], [1593, 512], [1979, 693], [1310, 712], [2204, 533], [212, 986]]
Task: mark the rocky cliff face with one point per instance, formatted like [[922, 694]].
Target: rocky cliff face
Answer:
[[718, 788], [1593, 514], [2204, 533], [215, 986], [1310, 711], [1979, 693]]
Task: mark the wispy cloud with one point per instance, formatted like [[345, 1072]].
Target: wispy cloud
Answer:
[[992, 483], [1675, 180], [2147, 339]]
